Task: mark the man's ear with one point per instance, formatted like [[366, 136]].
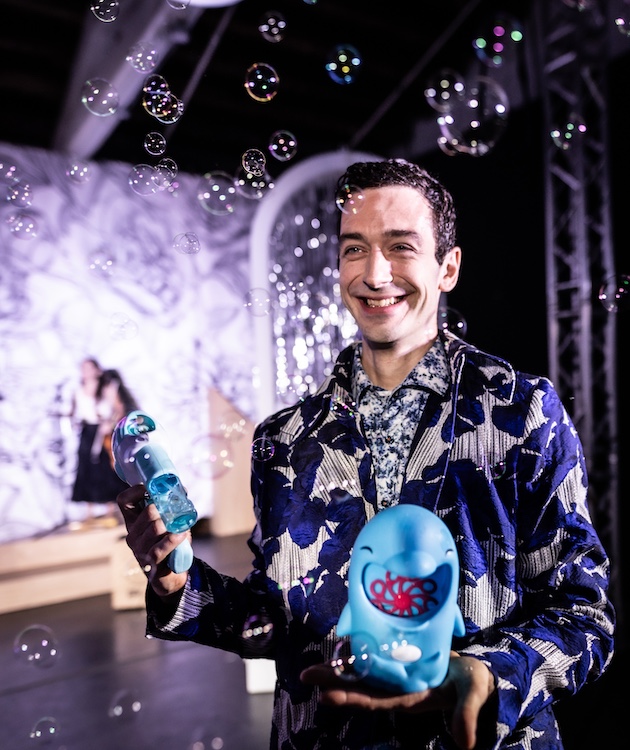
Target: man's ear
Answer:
[[449, 272]]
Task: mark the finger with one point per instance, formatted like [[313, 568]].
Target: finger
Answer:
[[131, 501], [474, 684]]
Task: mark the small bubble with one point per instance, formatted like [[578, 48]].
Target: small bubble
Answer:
[[263, 449], [258, 302], [143, 179], [105, 10], [283, 145], [45, 731], [143, 57], [352, 661], [154, 143], [22, 225], [100, 97], [79, 171], [125, 705], [272, 26], [216, 193], [344, 63], [261, 82], [253, 160], [349, 198], [614, 293], [186, 243], [37, 646]]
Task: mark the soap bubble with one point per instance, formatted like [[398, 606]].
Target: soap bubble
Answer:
[[253, 186], [258, 302], [36, 645], [105, 10], [344, 63], [9, 171], [216, 193], [22, 225], [498, 41], [99, 97], [614, 293], [143, 180], [475, 120], [353, 661], [143, 57], [567, 134], [282, 145], [125, 705], [45, 731], [165, 171], [186, 243], [254, 161], [102, 263], [20, 194], [154, 143], [78, 171], [444, 89], [453, 321], [349, 198], [272, 26], [261, 82], [263, 449]]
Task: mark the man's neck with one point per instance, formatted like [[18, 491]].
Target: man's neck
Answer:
[[388, 367]]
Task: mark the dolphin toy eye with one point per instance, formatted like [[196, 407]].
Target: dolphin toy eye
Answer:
[[369, 549]]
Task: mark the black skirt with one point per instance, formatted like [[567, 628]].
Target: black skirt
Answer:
[[95, 481]]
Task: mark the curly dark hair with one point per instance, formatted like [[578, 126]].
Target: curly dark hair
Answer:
[[375, 174]]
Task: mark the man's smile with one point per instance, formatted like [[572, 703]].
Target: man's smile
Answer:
[[386, 302]]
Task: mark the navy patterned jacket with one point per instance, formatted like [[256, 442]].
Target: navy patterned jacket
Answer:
[[499, 460]]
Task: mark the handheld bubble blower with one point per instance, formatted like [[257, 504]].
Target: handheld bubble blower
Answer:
[[402, 607], [140, 460]]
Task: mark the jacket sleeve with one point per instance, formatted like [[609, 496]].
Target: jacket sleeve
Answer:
[[559, 635], [217, 610]]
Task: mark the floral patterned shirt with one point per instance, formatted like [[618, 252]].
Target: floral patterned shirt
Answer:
[[387, 415]]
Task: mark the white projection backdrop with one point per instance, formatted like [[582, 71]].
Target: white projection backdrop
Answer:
[[102, 279]]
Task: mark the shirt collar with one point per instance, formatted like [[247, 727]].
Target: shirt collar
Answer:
[[432, 373]]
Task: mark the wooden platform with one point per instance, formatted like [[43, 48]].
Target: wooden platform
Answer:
[[70, 563]]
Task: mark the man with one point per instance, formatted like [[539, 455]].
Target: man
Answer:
[[410, 414]]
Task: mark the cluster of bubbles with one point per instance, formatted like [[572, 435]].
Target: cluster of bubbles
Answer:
[[20, 218], [471, 114]]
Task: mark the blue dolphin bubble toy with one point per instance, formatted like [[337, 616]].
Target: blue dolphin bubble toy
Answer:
[[402, 607], [138, 460]]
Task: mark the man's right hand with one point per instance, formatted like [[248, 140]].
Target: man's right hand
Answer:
[[150, 542]]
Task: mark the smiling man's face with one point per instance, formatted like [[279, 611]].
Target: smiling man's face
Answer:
[[390, 279]]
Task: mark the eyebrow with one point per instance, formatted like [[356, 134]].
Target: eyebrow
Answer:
[[389, 234]]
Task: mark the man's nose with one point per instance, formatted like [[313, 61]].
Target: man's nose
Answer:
[[378, 271]]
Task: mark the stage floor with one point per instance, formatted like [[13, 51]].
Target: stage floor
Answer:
[[109, 688]]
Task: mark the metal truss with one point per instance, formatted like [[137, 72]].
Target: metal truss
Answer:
[[572, 45]]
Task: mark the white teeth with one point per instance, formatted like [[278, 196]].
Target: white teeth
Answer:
[[381, 302]]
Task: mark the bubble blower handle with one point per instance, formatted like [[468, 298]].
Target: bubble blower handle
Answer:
[[137, 460]]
